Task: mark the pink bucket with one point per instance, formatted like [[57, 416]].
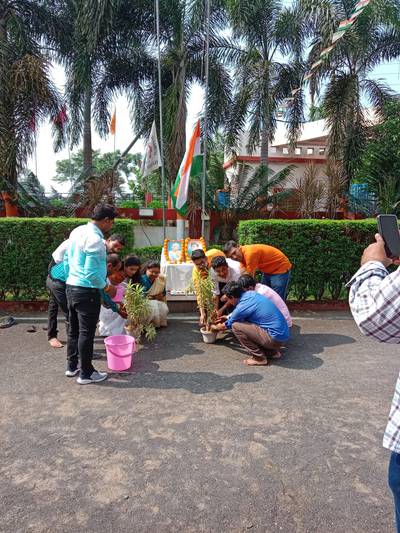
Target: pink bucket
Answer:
[[120, 349]]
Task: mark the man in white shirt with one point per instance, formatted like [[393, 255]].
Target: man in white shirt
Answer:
[[223, 270]]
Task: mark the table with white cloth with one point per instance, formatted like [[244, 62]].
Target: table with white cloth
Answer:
[[178, 277]]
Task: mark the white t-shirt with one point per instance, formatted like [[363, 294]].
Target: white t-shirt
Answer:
[[234, 273], [58, 254]]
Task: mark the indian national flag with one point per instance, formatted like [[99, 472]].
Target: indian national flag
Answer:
[[326, 51], [345, 24], [190, 167], [361, 5]]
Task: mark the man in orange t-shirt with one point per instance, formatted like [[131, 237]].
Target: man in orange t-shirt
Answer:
[[274, 265]]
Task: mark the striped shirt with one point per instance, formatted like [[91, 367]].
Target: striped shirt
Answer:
[[375, 304]]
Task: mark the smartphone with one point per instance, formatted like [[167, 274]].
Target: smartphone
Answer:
[[388, 228]]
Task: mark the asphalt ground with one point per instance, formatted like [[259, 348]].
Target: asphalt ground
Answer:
[[192, 440]]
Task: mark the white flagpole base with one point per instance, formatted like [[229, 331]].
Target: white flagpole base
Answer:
[[180, 228]]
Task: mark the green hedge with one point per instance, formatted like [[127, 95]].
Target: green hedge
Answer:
[[325, 253], [26, 245], [148, 252]]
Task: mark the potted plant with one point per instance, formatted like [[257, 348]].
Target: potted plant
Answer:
[[204, 294], [138, 312]]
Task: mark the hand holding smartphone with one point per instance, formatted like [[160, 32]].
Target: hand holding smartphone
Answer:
[[388, 228]]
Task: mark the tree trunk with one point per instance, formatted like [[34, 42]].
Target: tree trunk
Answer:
[[264, 146], [6, 154], [87, 135], [176, 142]]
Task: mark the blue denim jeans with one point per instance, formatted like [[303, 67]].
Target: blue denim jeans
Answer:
[[394, 484], [278, 282]]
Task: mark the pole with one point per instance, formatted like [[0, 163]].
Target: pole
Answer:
[[126, 151], [115, 131], [36, 162], [205, 129], [161, 118]]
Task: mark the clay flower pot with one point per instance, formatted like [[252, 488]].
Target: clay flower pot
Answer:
[[209, 337]]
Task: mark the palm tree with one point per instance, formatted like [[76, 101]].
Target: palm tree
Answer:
[[102, 47], [182, 64], [27, 94], [270, 40], [373, 38]]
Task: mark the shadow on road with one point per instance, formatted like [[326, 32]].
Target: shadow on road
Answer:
[[302, 348], [194, 382]]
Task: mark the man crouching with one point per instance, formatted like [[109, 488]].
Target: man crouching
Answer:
[[257, 324]]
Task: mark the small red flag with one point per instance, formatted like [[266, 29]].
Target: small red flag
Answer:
[[113, 123]]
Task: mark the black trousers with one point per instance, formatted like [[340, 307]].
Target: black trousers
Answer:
[[84, 310], [57, 299]]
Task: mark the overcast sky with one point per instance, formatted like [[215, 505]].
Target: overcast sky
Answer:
[[46, 158]]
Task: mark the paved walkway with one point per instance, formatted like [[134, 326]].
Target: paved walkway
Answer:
[[193, 441]]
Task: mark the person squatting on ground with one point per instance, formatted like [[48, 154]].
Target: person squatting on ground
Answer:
[[248, 283], [202, 262], [272, 263], [222, 271], [375, 302], [55, 283], [257, 324], [86, 269]]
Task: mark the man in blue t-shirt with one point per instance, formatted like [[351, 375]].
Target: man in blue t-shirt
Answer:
[[256, 322]]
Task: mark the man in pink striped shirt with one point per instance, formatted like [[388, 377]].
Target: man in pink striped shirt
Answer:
[[248, 283]]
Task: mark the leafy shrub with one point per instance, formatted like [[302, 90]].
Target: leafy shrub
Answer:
[[148, 252], [128, 204], [26, 246], [325, 253], [155, 204]]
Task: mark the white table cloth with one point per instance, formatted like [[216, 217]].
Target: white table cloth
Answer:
[[178, 277]]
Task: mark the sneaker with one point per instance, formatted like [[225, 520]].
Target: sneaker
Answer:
[[72, 373], [95, 377]]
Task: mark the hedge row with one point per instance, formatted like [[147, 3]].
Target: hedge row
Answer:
[[26, 245], [325, 253]]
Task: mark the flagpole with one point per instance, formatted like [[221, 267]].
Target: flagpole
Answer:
[[205, 129], [161, 118], [115, 130]]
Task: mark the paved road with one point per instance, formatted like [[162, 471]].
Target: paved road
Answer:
[[193, 441]]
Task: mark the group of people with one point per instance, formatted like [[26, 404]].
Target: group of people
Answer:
[[255, 312], [87, 280]]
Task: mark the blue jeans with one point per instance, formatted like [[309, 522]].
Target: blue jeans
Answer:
[[394, 484], [278, 282]]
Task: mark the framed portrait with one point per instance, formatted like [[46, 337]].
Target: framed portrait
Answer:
[[174, 251], [194, 244]]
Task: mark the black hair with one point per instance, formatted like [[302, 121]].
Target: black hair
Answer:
[[232, 290], [102, 211], [113, 259], [133, 260], [118, 238], [152, 263], [198, 254], [229, 246], [219, 261], [246, 281]]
